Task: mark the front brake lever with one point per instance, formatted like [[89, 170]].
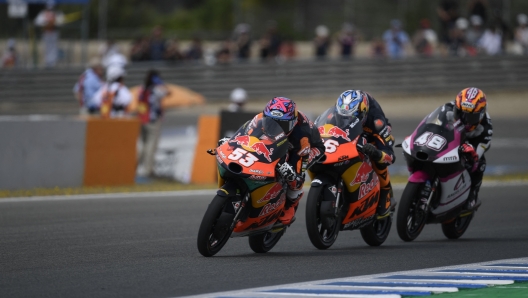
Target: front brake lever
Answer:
[[211, 151]]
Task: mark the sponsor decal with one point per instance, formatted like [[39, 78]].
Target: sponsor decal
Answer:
[[341, 158], [255, 171], [282, 142], [365, 188], [255, 177], [253, 144], [362, 174], [450, 158], [236, 205], [490, 131], [279, 136], [354, 123], [271, 194], [221, 153], [305, 147], [314, 152], [467, 105], [270, 207], [219, 159], [333, 190], [385, 132], [357, 222], [342, 163], [277, 113], [334, 131], [317, 181], [461, 182], [386, 158]]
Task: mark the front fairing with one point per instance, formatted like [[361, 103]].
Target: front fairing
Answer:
[[437, 137]]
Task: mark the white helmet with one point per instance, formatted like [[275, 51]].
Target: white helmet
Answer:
[[238, 95], [114, 72], [522, 19]]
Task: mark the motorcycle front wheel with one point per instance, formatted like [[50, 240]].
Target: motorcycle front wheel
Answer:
[[215, 228], [321, 237], [457, 227], [376, 233], [411, 218], [262, 243]]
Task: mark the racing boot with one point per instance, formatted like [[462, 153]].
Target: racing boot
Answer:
[[473, 201], [386, 203], [288, 214]]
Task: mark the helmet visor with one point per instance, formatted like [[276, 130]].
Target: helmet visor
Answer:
[[342, 121], [272, 125], [470, 118]]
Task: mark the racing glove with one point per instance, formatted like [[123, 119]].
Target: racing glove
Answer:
[[372, 152], [287, 172], [471, 154], [222, 141]]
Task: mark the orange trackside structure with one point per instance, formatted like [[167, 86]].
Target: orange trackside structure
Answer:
[[110, 153], [204, 165]]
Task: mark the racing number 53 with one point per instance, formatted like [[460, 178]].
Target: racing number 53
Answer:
[[238, 153], [433, 141]]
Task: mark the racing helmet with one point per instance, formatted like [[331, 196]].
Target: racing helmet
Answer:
[[353, 103], [470, 107], [283, 111]]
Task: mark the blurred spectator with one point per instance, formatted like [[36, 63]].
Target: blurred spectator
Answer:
[[111, 55], [50, 20], [223, 54], [347, 38], [150, 112], [156, 44], [475, 31], [395, 40], [139, 50], [195, 51], [87, 85], [504, 29], [479, 8], [242, 41], [448, 14], [521, 32], [10, 56], [458, 45], [378, 50], [270, 42], [321, 41], [172, 52], [238, 99], [113, 97], [425, 40], [287, 50], [491, 41]]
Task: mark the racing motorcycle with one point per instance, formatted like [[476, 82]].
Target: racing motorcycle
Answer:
[[439, 184], [251, 194], [345, 190]]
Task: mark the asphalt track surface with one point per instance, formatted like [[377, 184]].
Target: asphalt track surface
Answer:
[[146, 247]]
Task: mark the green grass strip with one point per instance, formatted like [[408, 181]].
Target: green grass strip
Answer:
[[516, 290]]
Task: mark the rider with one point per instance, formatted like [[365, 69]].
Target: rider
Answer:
[[470, 108], [376, 141], [305, 146]]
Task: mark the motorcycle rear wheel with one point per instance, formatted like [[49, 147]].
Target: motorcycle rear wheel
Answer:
[[376, 233], [410, 220], [320, 237], [215, 228], [262, 243], [457, 227]]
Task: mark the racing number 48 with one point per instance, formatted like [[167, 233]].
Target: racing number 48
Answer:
[[238, 153], [433, 141]]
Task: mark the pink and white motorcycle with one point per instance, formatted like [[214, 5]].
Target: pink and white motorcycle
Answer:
[[439, 184]]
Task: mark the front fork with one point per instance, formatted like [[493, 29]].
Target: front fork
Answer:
[[429, 189]]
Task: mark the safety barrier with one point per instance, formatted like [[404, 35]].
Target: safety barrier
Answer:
[[52, 151]]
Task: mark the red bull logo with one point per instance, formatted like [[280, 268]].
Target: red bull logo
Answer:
[[362, 174], [271, 194], [268, 208], [365, 188], [253, 144], [328, 130]]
